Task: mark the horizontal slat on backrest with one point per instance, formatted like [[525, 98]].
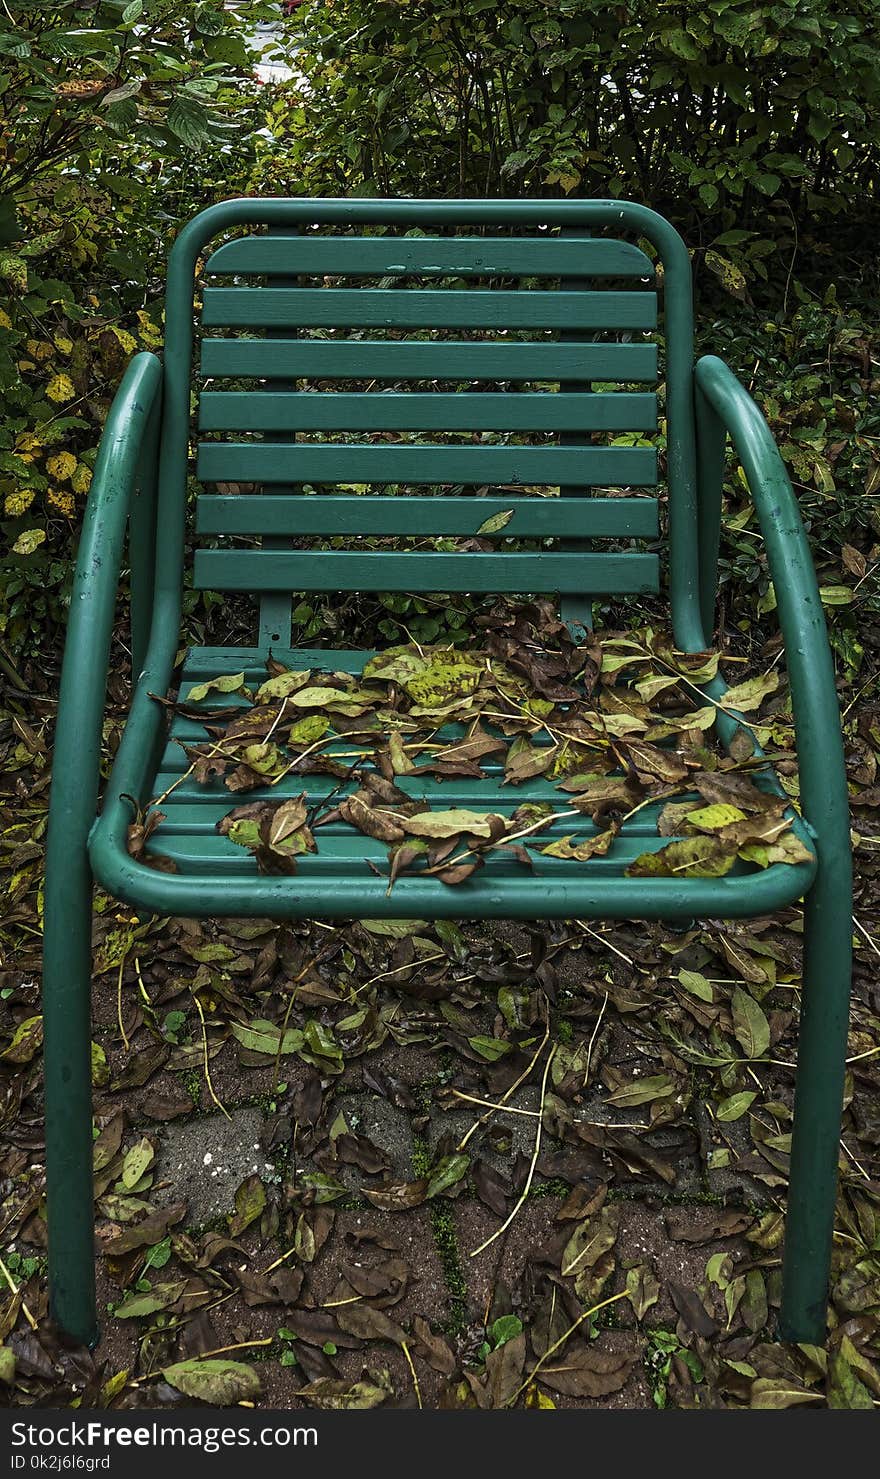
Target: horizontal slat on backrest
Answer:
[[411, 308], [350, 359], [307, 462], [451, 256], [258, 410], [583, 518], [270, 570]]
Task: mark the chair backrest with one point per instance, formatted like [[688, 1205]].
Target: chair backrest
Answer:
[[432, 370]]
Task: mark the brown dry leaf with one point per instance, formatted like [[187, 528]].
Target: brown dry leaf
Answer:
[[343, 1396], [720, 1222], [399, 1197], [581, 852], [369, 1323], [584, 1371], [436, 1350]]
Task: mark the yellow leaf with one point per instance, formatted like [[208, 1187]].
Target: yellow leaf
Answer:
[[5, 320], [63, 500], [150, 334], [61, 465], [713, 818], [82, 478], [536, 1398], [29, 541], [751, 693], [17, 503], [61, 388], [127, 340]]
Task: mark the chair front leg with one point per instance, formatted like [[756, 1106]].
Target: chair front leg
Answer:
[[67, 970], [815, 1149]]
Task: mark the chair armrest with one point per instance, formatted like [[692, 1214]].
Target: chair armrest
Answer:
[[725, 409], [120, 476]]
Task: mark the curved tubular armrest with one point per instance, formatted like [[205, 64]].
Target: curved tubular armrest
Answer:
[[130, 425], [725, 408]]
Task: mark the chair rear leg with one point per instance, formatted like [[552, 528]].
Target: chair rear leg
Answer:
[[67, 971], [815, 1149]]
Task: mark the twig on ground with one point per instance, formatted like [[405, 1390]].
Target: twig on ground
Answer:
[[535, 1153]]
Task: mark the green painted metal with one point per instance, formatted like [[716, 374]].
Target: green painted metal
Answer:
[[575, 609], [411, 308], [257, 410], [358, 359], [359, 514], [360, 894], [303, 570], [309, 462], [725, 407], [142, 537], [127, 441], [276, 607], [215, 881], [430, 256]]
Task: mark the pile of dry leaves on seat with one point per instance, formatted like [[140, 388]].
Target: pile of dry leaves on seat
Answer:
[[613, 725]]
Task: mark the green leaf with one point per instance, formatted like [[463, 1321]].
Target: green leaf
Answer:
[[26, 1041], [697, 985], [250, 1203], [398, 929], [682, 44], [642, 1091], [735, 1106], [779, 1392], [138, 1159], [750, 1026], [135, 1306], [188, 120], [446, 1173], [228, 683], [121, 94], [262, 1037], [505, 1328], [642, 1289], [845, 1389], [7, 1365], [751, 694], [496, 523], [451, 823], [490, 1048], [13, 269], [836, 595], [692, 857], [221, 1383]]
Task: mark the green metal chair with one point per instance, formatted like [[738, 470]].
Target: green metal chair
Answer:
[[584, 331]]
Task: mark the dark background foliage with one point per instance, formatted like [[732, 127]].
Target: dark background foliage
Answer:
[[754, 126]]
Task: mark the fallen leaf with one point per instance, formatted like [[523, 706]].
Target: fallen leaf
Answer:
[[221, 1383]]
